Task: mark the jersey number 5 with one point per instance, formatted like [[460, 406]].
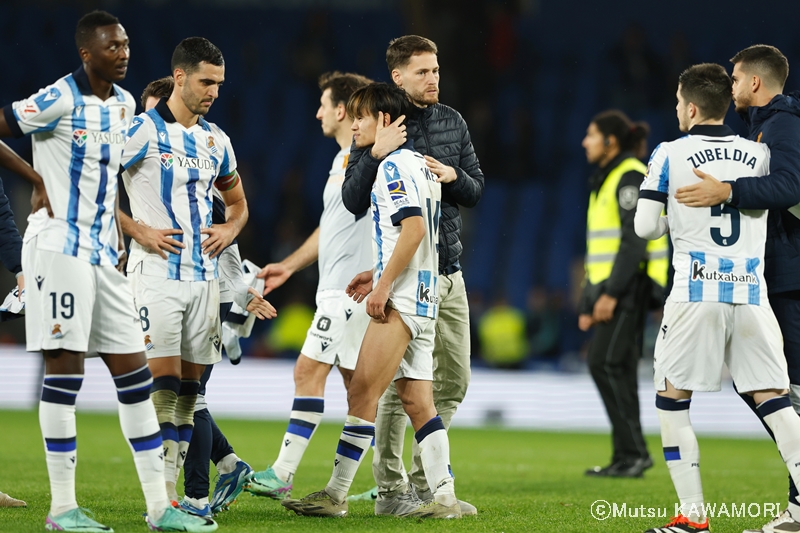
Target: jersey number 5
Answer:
[[716, 234]]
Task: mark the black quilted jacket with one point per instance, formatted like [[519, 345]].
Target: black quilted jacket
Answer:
[[440, 132]]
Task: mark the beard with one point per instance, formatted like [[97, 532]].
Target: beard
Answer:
[[424, 98], [193, 102]]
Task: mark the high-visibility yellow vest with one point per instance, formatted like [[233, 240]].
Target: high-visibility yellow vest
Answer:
[[604, 231]]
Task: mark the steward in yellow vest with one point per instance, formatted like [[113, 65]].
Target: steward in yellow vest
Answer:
[[624, 278]]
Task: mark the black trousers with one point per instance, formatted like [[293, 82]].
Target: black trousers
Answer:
[[613, 362]]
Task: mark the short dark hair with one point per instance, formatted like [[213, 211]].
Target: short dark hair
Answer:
[[342, 85], [379, 97], [707, 86], [768, 63], [630, 136], [84, 32], [160, 88], [192, 51], [400, 50]]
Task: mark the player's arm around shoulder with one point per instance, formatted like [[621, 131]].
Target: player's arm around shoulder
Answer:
[[780, 188]]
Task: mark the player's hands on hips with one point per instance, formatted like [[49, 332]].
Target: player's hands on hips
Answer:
[[259, 306], [604, 308], [39, 200], [376, 303], [389, 138], [706, 193], [585, 322], [159, 240], [360, 286], [445, 174], [274, 275], [219, 237]]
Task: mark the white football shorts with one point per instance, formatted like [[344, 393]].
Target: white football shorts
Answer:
[[417, 362], [696, 338], [178, 317], [335, 335], [74, 305]]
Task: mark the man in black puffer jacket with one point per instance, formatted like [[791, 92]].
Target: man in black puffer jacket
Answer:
[[759, 74], [441, 135]]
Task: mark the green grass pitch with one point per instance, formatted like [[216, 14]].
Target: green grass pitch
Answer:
[[519, 480]]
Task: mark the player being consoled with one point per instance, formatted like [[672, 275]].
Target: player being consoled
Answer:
[[718, 311]]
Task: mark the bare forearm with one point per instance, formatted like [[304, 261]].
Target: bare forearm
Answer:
[[236, 214], [10, 160], [306, 255], [129, 226]]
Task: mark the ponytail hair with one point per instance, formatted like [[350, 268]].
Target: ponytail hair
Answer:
[[631, 136]]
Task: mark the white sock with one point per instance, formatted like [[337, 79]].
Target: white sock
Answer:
[[227, 464], [778, 414], [57, 420], [164, 395], [198, 503], [434, 450], [139, 423], [303, 422], [682, 455], [354, 442]]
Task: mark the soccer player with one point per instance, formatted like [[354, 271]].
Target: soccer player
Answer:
[[759, 75], [340, 245], [441, 135], [398, 344], [172, 159], [208, 442], [718, 311], [79, 301]]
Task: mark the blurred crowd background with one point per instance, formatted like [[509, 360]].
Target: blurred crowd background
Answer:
[[527, 75]]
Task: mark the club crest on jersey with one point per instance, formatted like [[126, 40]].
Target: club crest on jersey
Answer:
[[122, 113], [148, 344], [166, 161], [56, 332], [80, 136], [211, 146]]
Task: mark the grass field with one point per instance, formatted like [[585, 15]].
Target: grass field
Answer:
[[519, 481]]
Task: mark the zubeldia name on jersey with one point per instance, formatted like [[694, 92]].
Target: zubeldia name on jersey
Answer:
[[722, 154]]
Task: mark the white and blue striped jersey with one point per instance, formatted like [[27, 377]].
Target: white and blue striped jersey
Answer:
[[718, 252], [405, 187], [343, 236], [168, 173], [77, 141]]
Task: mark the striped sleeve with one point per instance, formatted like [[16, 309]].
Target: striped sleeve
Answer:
[[40, 112], [656, 182], [138, 142]]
